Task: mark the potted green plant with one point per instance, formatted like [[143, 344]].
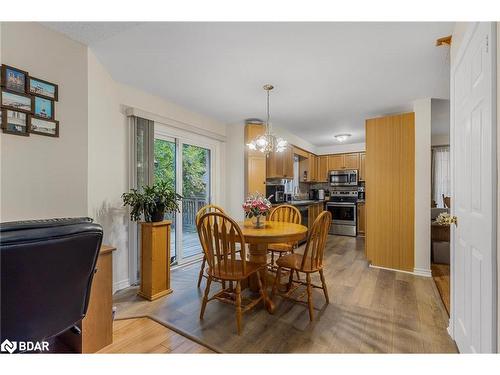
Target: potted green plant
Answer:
[[151, 202]]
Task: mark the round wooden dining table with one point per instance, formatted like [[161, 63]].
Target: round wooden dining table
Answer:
[[258, 240]]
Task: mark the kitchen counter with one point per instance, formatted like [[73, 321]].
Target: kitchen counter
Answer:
[[305, 202]]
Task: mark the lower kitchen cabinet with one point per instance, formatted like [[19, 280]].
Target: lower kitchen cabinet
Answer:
[[313, 212], [361, 219]]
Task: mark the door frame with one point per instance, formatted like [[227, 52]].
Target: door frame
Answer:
[[492, 45]]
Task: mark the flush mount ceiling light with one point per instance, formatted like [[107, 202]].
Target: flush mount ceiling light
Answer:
[[342, 137], [268, 142]]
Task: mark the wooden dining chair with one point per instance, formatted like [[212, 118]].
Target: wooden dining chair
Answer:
[[289, 214], [447, 201], [310, 262], [219, 236], [202, 211]]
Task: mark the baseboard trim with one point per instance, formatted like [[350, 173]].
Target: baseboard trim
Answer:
[[422, 272], [416, 272], [119, 285]]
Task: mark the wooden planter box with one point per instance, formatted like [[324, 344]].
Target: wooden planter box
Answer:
[[155, 260]]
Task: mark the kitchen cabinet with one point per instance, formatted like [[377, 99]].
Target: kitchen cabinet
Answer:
[[310, 166], [335, 162], [255, 162], [362, 157], [280, 164], [256, 174], [361, 219], [300, 152], [313, 211], [323, 168], [351, 161], [288, 163], [313, 168], [343, 161]]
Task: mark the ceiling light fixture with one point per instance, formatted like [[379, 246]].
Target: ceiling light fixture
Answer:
[[268, 142], [342, 137]]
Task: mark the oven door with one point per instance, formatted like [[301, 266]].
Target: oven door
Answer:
[[342, 213]]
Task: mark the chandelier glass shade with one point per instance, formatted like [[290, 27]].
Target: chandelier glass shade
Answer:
[[268, 142]]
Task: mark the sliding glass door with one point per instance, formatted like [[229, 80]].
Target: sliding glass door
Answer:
[[196, 193], [165, 151], [187, 168]]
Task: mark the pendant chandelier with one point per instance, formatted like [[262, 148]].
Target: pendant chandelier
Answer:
[[268, 142]]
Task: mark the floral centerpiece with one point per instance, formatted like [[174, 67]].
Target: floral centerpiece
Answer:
[[445, 218], [256, 207]]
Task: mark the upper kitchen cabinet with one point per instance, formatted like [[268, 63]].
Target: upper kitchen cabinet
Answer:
[[252, 131], [313, 165], [288, 162], [280, 164], [255, 162], [351, 161], [335, 162], [274, 165], [308, 168], [362, 157], [343, 161], [323, 168]]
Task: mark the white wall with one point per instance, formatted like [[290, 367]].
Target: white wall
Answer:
[[108, 153], [43, 176], [85, 170], [422, 109], [235, 170], [341, 148], [440, 140]]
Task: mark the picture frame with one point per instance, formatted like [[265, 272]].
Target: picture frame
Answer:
[[43, 126], [42, 88], [43, 108], [15, 122], [16, 101], [13, 79]]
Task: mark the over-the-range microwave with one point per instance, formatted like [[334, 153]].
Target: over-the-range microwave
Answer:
[[345, 177]]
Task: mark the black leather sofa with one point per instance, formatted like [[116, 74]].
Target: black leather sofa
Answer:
[[47, 267]]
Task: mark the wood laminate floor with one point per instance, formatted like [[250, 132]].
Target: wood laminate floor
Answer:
[[144, 335], [371, 311], [441, 276]]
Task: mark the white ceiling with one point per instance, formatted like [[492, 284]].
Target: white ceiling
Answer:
[[329, 77]]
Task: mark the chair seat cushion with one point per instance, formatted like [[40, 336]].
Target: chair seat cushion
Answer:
[[237, 273], [294, 261], [281, 247]]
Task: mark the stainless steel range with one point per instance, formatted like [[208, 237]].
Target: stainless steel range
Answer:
[[342, 206]]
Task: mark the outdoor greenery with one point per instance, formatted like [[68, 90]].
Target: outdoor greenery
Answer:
[[194, 163], [151, 201]]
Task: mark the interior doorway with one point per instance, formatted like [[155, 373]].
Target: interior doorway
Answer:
[[440, 197]]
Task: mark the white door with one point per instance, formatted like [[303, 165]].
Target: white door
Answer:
[[473, 145]]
